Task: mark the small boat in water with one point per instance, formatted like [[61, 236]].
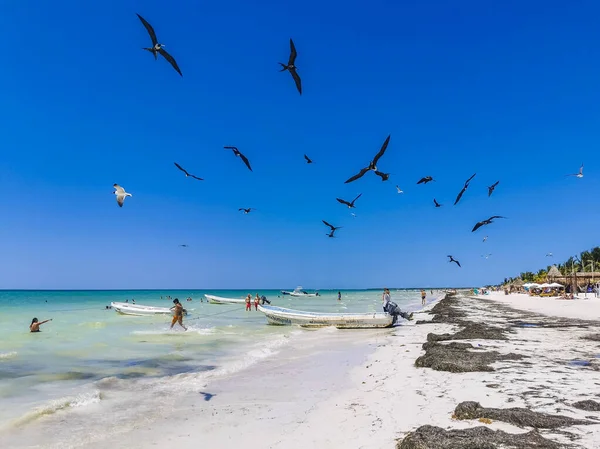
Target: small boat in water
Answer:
[[220, 300], [283, 316], [299, 292], [128, 308]]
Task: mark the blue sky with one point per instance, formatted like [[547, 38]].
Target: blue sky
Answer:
[[508, 91]]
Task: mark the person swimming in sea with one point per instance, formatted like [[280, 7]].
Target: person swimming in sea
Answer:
[[178, 314], [35, 325]]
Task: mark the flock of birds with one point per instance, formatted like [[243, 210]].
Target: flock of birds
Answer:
[[158, 48]]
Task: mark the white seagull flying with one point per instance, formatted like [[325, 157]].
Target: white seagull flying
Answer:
[[121, 194], [399, 190], [580, 174]]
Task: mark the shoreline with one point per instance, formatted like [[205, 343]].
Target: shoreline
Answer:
[[451, 375]]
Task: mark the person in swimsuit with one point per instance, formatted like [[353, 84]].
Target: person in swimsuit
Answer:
[[35, 325], [423, 296], [248, 302], [339, 296], [178, 314], [256, 301]]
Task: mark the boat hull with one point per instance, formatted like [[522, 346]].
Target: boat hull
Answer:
[[126, 308], [219, 300], [302, 295], [282, 316]]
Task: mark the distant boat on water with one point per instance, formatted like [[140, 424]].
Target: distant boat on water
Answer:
[[299, 292]]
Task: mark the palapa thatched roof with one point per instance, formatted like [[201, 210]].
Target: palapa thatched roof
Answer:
[[518, 283], [554, 272]]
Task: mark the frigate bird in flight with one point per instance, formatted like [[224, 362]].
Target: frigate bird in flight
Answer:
[[237, 153], [485, 222], [156, 47], [485, 238], [186, 173], [349, 204], [121, 194], [308, 160], [486, 256], [425, 180], [464, 189], [333, 228], [491, 188], [452, 259], [246, 210], [549, 255], [578, 175], [291, 66], [436, 203], [373, 165]]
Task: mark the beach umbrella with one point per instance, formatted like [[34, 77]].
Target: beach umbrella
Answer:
[[545, 285], [556, 284]]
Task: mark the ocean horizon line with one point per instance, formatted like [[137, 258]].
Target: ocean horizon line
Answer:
[[216, 289]]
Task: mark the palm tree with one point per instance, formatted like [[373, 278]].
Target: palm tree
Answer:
[[586, 261]]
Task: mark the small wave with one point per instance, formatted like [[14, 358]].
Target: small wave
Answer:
[[253, 356], [56, 405], [170, 332], [8, 355]]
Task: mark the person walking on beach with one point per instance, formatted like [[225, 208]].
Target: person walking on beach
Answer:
[[423, 296], [178, 314], [248, 302], [256, 301], [339, 296], [35, 325]]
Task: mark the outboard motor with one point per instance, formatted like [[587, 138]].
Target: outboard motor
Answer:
[[264, 300], [393, 309]]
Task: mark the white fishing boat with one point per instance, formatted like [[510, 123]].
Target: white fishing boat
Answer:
[[299, 292], [283, 316], [128, 308], [220, 300]]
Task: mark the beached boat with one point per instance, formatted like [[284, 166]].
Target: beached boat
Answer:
[[128, 308], [219, 300], [299, 292], [283, 316]]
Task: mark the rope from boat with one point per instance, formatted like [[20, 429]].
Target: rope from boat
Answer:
[[218, 313]]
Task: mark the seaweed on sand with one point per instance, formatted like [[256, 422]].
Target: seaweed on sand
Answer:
[[431, 437]]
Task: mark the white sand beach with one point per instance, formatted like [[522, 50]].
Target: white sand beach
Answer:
[[584, 306], [362, 389]]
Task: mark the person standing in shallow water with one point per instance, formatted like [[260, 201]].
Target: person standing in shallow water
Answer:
[[256, 302], [339, 296], [35, 325], [248, 302], [423, 296], [178, 314]]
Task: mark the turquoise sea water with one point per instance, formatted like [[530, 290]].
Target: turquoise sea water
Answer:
[[89, 354]]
